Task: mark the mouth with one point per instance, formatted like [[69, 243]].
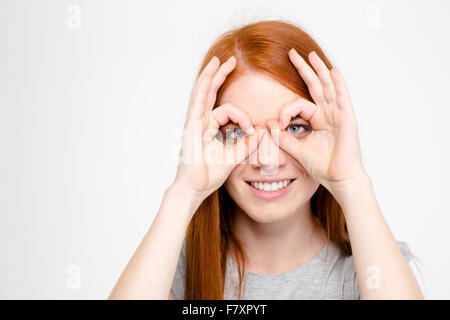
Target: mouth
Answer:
[[270, 189]]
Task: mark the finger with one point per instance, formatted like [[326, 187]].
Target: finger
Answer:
[[283, 139], [248, 146], [325, 78], [227, 112], [309, 76], [302, 107], [343, 98], [201, 89], [219, 78]]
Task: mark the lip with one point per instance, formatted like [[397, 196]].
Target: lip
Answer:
[[270, 180], [270, 195]]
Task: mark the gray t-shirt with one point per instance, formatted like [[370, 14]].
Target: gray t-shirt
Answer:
[[327, 276]]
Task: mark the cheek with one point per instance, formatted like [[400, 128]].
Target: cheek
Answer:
[[308, 187], [304, 190], [234, 182]]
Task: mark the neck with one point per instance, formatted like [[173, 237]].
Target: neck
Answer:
[[277, 247]]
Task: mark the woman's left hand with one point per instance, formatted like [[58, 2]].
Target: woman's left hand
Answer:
[[330, 153]]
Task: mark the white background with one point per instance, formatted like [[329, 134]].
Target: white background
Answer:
[[91, 92]]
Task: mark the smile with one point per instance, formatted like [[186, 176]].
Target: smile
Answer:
[[270, 190]]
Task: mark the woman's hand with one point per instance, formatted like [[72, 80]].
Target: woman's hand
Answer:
[[330, 153], [205, 162]]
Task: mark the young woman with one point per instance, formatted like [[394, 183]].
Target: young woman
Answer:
[[292, 214]]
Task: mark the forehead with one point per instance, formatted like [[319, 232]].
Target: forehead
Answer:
[[259, 95]]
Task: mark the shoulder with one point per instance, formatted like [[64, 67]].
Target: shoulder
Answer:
[[182, 258], [405, 249]]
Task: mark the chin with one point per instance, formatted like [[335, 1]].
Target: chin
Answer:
[[268, 213]]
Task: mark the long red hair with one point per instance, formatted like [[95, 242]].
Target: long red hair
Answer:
[[263, 47]]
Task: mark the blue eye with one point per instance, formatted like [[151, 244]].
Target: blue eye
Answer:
[[231, 135], [234, 134], [298, 129]]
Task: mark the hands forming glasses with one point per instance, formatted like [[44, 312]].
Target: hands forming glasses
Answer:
[[329, 151]]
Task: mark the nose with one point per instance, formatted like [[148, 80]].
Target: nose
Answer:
[[268, 157]]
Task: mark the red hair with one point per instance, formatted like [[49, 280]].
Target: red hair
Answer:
[[261, 47]]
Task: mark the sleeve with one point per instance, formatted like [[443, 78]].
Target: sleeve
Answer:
[[178, 283], [406, 251]]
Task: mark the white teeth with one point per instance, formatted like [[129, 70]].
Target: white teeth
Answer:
[[268, 187]]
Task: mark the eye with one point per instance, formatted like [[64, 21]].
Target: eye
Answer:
[[234, 134], [231, 134], [298, 129]]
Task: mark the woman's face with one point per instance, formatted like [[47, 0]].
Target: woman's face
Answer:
[[261, 97]]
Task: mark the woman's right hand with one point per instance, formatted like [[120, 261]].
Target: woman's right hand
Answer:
[[205, 162]]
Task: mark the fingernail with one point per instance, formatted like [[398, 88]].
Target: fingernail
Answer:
[[251, 130]]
